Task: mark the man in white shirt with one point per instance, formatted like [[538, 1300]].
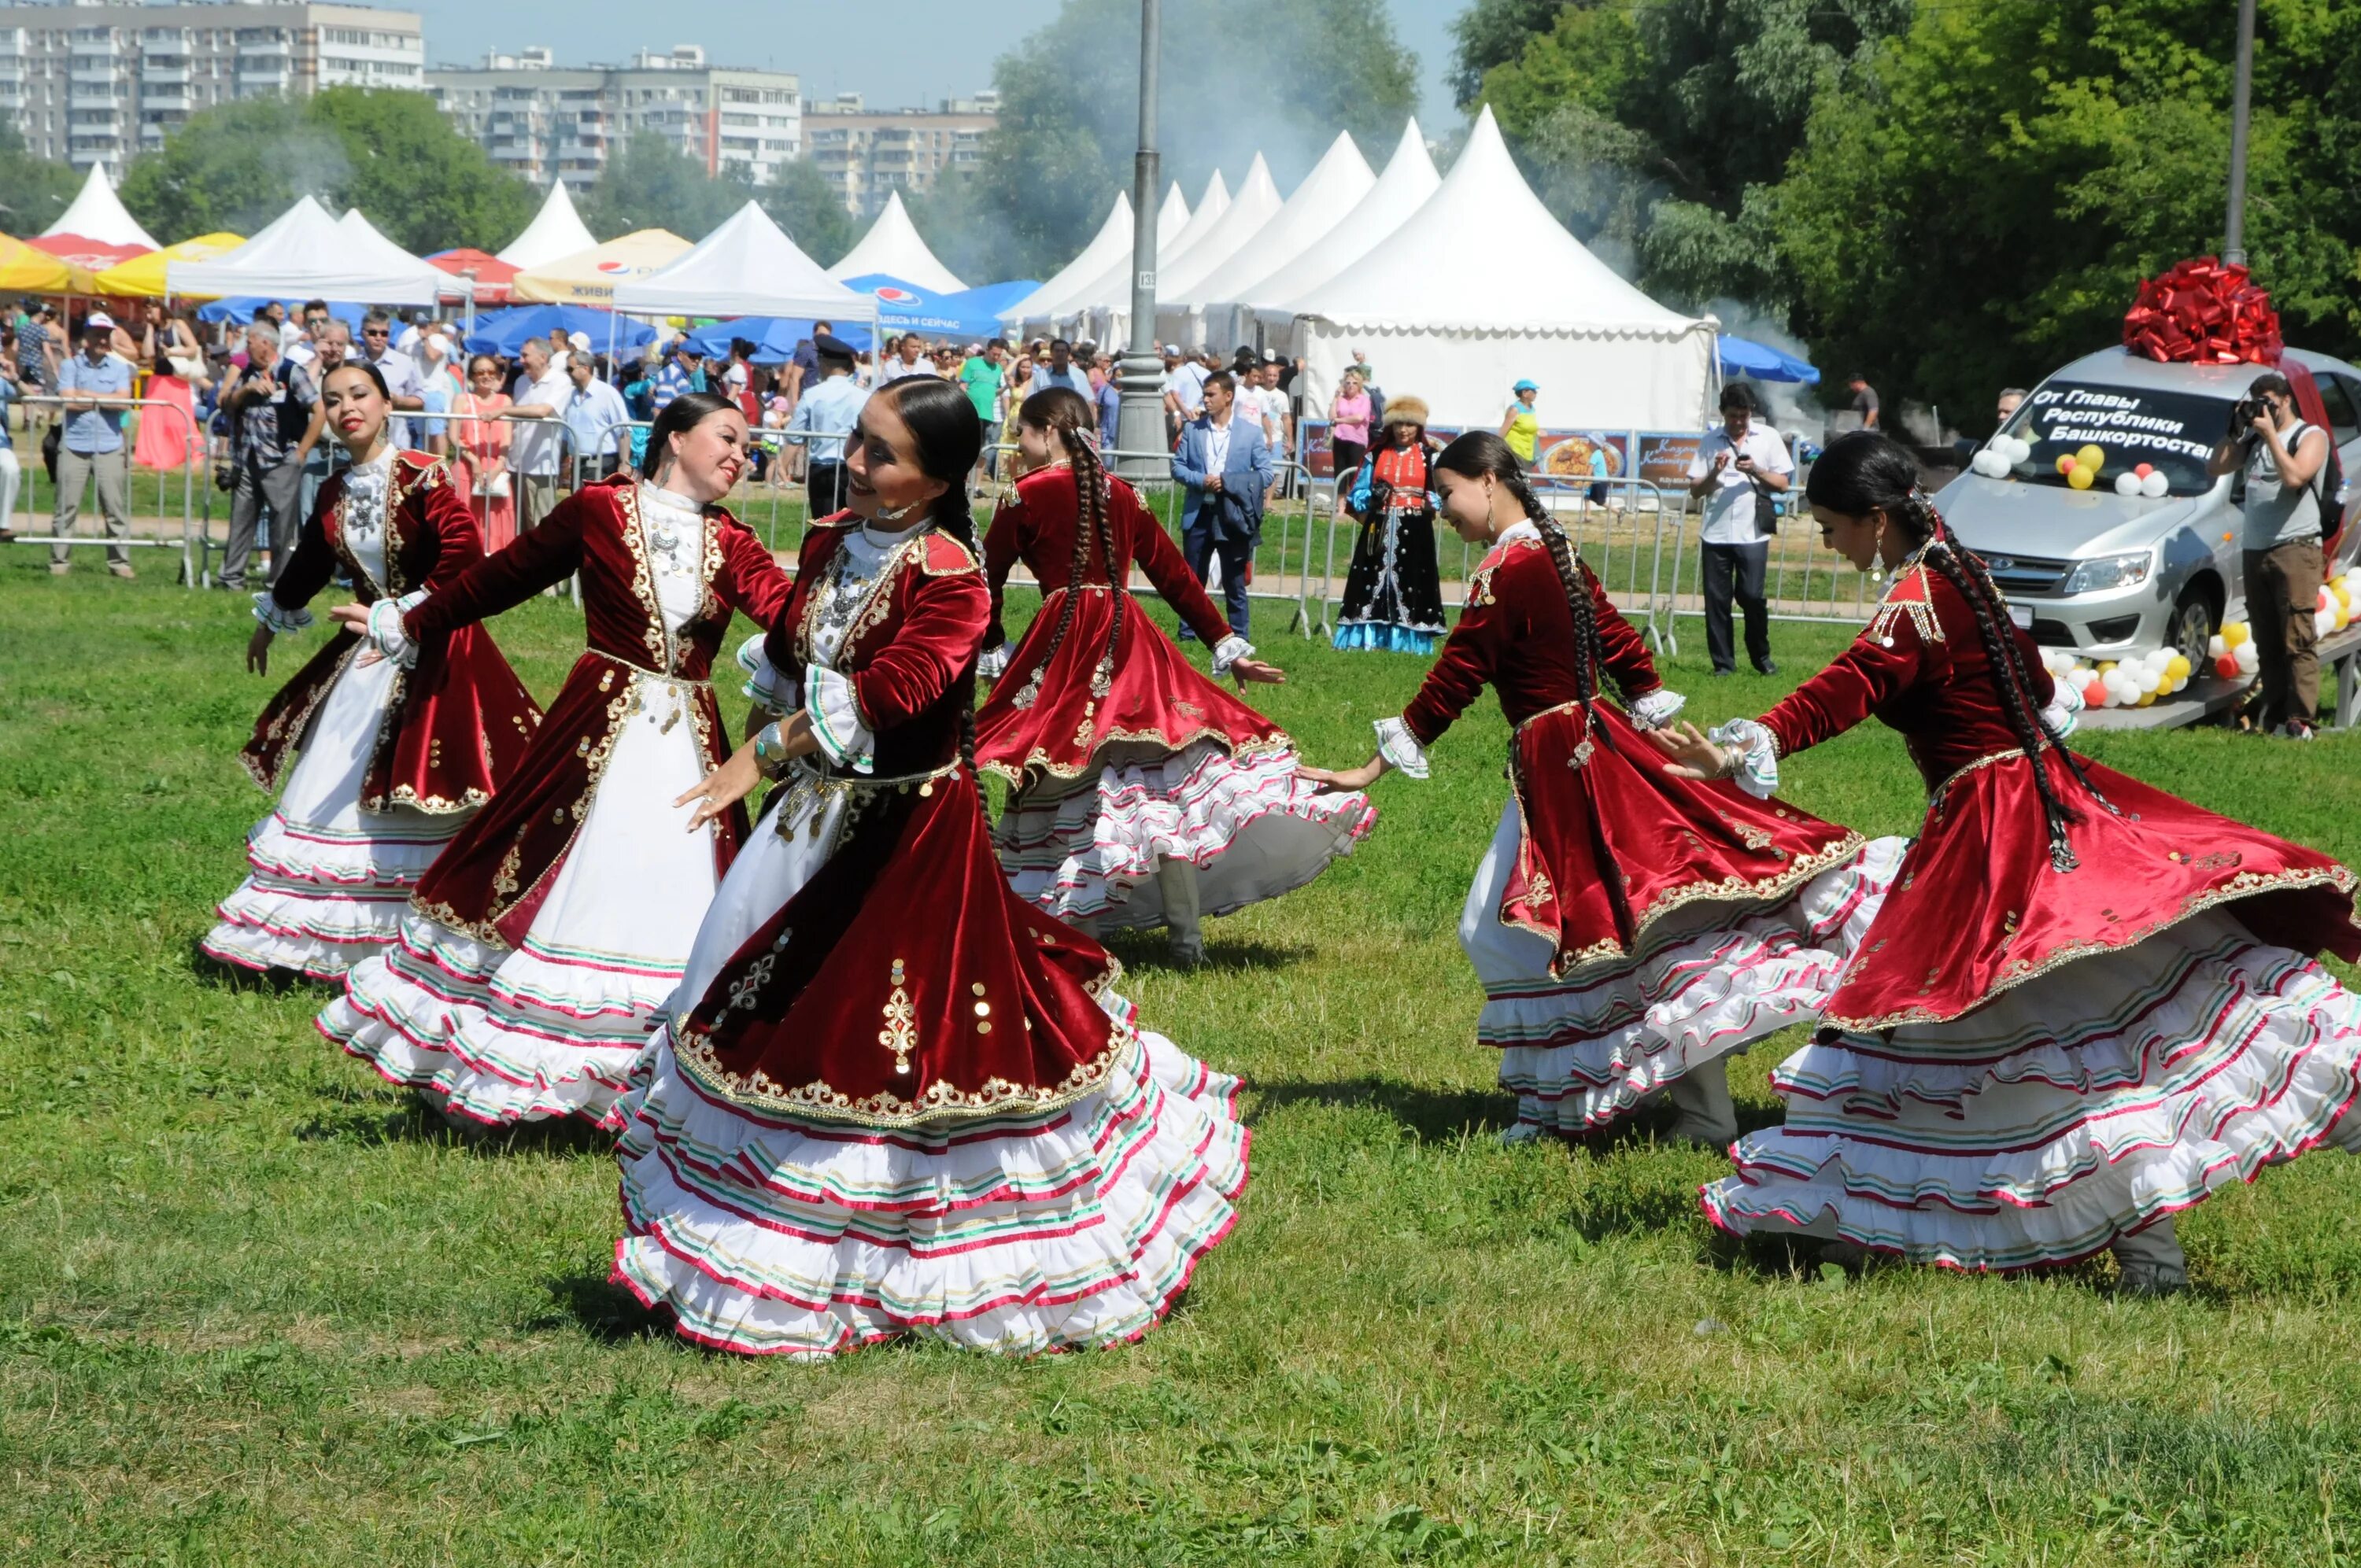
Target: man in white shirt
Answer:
[[1063, 370], [402, 383], [596, 420], [909, 361], [1739, 469], [1184, 385], [535, 454]]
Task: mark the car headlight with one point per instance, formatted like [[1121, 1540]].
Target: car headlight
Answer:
[[2101, 574]]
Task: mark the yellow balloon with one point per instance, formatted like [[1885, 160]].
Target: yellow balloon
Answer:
[[2106, 666], [2176, 667], [2237, 634], [2081, 478], [2092, 457], [2146, 699]]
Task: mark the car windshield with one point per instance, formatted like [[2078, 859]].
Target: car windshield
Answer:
[[2132, 425]]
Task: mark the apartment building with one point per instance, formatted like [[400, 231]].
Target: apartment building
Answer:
[[544, 121], [99, 82], [868, 154]]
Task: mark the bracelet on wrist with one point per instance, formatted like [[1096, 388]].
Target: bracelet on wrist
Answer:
[[770, 752]]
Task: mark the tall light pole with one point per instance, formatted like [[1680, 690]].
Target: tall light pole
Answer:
[[1139, 425], [2233, 233]]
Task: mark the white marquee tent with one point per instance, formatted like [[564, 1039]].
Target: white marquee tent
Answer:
[[748, 266], [1335, 185], [1063, 297], [1256, 204], [98, 214], [557, 232], [1410, 178], [1104, 304], [893, 246], [1480, 287], [305, 253]]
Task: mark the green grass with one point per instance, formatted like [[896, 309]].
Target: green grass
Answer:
[[254, 1310]]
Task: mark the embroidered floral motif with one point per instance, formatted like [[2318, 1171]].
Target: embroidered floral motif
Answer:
[[746, 991], [900, 1034]]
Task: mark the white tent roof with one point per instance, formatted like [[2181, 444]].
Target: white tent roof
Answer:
[[1256, 202], [1108, 255], [893, 246], [556, 233], [1112, 239], [1410, 178], [304, 252], [1209, 211], [1335, 185], [748, 266], [1109, 292], [98, 214]]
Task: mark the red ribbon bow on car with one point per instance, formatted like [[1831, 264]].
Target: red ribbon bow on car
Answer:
[[2203, 312]]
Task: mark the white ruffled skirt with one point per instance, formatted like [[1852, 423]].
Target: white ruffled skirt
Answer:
[[775, 1235], [328, 882], [551, 1028], [1089, 849], [2065, 1114], [1581, 1051]]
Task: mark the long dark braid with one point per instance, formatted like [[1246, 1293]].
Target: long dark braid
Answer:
[[1060, 411], [1873, 473]]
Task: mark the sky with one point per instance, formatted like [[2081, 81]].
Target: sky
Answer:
[[927, 49]]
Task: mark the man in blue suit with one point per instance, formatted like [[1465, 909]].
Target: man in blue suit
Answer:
[[1224, 468]]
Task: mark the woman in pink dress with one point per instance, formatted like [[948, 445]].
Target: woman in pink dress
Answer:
[[479, 452], [169, 351]]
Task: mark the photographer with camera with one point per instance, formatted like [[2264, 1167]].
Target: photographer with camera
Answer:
[[2280, 461], [1739, 469]]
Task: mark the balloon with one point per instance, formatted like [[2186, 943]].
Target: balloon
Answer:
[[2226, 666], [2249, 657], [2149, 679], [2146, 699], [2065, 462], [2156, 486], [2081, 479], [2095, 694], [2020, 449], [2215, 646], [2092, 457], [2106, 666], [2145, 469], [2176, 667], [2236, 633], [2322, 623], [2126, 484]]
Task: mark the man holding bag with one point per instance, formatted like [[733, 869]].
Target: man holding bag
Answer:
[[1739, 469]]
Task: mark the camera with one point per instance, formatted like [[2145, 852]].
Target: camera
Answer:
[[2246, 412]]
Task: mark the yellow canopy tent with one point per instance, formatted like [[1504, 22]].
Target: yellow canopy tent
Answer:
[[25, 269], [142, 277], [588, 277]]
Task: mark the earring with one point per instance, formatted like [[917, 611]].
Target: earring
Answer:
[[1877, 571]]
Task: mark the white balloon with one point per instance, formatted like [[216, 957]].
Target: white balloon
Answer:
[[2127, 483], [2216, 647], [2149, 679], [2250, 658], [2156, 486], [2019, 450], [2323, 622]]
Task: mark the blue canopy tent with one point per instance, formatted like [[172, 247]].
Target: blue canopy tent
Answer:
[[774, 337], [503, 332], [1743, 358], [971, 315], [239, 310]]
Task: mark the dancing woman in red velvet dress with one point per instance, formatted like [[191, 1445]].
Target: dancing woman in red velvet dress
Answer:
[[527, 975], [1631, 929], [394, 759], [890, 1096], [2086, 1003], [1142, 793]]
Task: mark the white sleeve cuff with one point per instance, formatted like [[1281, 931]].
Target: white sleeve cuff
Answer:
[[765, 688], [1400, 749], [385, 633], [1229, 651], [280, 619], [1758, 756], [835, 721], [1654, 710], [992, 663], [2064, 711]]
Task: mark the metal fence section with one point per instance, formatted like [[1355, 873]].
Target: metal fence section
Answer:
[[192, 541]]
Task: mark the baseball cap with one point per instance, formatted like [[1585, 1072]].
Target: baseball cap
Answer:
[[580, 340], [1524, 387], [98, 321], [1171, 351]]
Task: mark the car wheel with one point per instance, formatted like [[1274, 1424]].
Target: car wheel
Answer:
[[2192, 625]]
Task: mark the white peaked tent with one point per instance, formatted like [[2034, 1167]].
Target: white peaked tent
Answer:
[[1112, 239], [1480, 287], [557, 232], [1410, 178], [893, 245], [748, 266], [1335, 185], [305, 253], [1249, 211], [98, 214], [1101, 310]]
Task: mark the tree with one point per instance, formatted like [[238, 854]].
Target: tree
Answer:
[[650, 183], [1982, 210], [801, 200], [1241, 76], [33, 190], [239, 165]]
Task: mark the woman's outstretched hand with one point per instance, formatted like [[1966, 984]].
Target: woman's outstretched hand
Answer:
[[722, 788], [1245, 670], [354, 615], [1692, 756], [257, 650], [1349, 779]]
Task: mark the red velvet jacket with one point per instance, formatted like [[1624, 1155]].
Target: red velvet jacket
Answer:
[[460, 719], [491, 880]]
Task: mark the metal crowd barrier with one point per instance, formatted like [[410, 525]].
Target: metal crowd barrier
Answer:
[[192, 541]]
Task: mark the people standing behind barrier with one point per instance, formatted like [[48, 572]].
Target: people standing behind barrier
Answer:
[[537, 453], [1520, 427], [1184, 388], [11, 475], [803, 366], [595, 421], [479, 453], [39, 359], [319, 454], [1348, 428], [1393, 592], [908, 359], [1063, 371], [437, 387], [399, 373], [1739, 467], [270, 406], [167, 439], [2282, 462], [1106, 399], [1223, 467], [820, 425], [981, 377], [679, 373]]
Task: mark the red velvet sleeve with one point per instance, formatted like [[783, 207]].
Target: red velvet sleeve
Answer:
[[314, 560], [1461, 671], [1004, 541], [1626, 650], [458, 542], [1864, 678], [1161, 560], [491, 584], [942, 629], [749, 580]]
